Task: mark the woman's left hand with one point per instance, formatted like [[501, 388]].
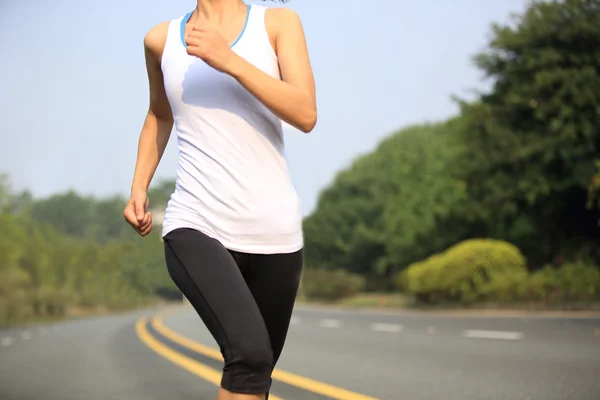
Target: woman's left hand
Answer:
[[208, 44]]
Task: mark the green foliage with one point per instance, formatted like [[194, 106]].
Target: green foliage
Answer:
[[329, 285], [572, 282], [4, 193], [593, 200], [53, 259], [494, 271], [473, 270], [384, 211], [84, 217], [481, 269], [534, 139], [68, 212], [423, 279]]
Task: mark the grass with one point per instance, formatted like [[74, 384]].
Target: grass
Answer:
[[75, 312], [376, 300], [400, 301], [365, 300]]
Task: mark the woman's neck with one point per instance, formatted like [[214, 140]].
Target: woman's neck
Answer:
[[218, 10]]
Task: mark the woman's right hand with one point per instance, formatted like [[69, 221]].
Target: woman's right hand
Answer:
[[136, 213]]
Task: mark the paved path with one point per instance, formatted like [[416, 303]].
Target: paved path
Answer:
[[346, 355]]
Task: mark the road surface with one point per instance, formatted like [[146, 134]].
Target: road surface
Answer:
[[167, 354]]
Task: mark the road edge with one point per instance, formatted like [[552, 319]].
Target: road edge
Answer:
[[469, 313]]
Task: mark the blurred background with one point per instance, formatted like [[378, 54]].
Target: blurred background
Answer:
[[452, 182]]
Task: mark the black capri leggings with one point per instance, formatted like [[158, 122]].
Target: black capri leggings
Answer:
[[245, 301]]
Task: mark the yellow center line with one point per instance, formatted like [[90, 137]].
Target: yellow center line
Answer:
[[211, 375], [301, 382]]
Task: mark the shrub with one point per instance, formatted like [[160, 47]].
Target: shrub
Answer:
[[483, 269], [329, 285], [470, 271], [53, 301], [422, 279], [15, 298], [570, 282]]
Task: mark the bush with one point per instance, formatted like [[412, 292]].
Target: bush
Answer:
[[568, 283], [54, 302], [470, 271], [483, 269], [422, 279], [329, 285], [15, 298]]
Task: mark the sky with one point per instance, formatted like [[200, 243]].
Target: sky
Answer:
[[74, 91]]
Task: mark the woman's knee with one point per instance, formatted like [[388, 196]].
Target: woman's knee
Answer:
[[248, 369]]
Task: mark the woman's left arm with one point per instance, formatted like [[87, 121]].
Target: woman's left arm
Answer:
[[293, 98]]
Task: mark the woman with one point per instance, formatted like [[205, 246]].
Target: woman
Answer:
[[226, 75]]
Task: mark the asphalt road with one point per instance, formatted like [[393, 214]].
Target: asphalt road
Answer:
[[347, 355]]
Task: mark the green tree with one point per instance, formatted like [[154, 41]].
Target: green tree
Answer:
[[69, 251], [534, 138], [108, 222], [70, 213], [4, 193], [388, 209]]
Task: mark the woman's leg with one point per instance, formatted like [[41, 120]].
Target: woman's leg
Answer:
[[209, 277], [273, 280]]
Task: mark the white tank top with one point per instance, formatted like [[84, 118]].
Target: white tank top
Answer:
[[233, 182]]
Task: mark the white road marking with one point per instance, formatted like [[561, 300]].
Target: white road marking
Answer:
[[501, 335], [386, 327], [26, 335], [330, 323], [6, 341]]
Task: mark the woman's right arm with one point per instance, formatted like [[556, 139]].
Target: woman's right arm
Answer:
[[154, 135], [159, 120]]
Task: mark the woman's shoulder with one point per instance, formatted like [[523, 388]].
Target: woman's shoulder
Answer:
[[156, 37], [280, 18], [280, 12]]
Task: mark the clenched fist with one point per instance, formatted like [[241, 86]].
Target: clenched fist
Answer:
[[137, 215], [208, 44]]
